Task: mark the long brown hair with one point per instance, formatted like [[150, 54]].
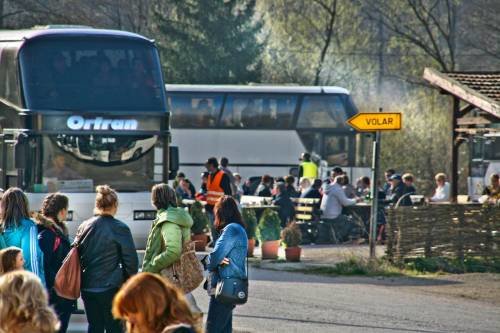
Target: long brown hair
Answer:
[[52, 205], [160, 303], [226, 211], [8, 258], [13, 207]]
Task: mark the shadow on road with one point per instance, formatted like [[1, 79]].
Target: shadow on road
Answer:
[[333, 323], [267, 275]]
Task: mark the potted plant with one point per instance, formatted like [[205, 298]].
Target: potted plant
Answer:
[[199, 228], [250, 219], [291, 237], [269, 234]]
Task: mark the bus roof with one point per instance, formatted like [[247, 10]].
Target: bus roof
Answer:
[[256, 89], [21, 35]]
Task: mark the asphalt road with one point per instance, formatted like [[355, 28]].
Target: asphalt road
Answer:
[[293, 302]]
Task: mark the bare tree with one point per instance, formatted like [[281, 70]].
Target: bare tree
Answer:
[[430, 26]]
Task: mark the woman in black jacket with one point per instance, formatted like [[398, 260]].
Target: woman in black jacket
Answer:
[[107, 257], [55, 245]]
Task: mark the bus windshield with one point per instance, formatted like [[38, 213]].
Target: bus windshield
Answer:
[[79, 163], [91, 74]]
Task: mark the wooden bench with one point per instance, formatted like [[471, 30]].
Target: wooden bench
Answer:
[[307, 216]]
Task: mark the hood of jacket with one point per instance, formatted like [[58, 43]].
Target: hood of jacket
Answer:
[[175, 215], [48, 223]]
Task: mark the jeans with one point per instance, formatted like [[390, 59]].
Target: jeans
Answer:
[[64, 308], [98, 310], [220, 317], [344, 229], [211, 221]]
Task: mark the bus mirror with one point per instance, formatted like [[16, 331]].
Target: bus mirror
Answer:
[[173, 161], [21, 151]]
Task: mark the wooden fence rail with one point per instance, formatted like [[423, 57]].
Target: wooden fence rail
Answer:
[[451, 231]]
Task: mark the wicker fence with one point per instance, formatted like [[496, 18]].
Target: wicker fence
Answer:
[[453, 231]]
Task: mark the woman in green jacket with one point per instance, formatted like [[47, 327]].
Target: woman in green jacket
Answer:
[[170, 230]]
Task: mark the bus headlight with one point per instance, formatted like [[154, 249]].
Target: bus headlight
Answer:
[[144, 214]]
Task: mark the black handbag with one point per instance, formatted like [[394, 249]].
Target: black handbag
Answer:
[[232, 290]]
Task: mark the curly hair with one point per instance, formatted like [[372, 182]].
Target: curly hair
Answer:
[[160, 303], [24, 304]]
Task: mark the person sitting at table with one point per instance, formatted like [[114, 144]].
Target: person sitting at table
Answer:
[[290, 188], [286, 209], [264, 188], [398, 191], [493, 191], [334, 199], [349, 190], [304, 185], [363, 186], [183, 191], [313, 192], [442, 192]]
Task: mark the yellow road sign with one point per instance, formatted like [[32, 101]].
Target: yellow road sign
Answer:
[[376, 121]]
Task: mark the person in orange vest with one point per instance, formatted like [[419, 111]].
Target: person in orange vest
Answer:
[[218, 185]]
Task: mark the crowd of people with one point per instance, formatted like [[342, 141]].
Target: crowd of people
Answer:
[[33, 247], [335, 193]]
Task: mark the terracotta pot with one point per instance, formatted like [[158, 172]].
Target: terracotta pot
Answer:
[[200, 242], [270, 249], [251, 247], [293, 253]]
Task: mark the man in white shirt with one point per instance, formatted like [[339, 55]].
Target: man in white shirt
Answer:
[[442, 192], [333, 200]]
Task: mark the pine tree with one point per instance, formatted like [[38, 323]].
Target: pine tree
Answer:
[[210, 41]]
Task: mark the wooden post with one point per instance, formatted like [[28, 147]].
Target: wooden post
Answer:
[[454, 150]]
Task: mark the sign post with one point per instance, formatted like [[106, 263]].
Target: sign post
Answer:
[[375, 122]]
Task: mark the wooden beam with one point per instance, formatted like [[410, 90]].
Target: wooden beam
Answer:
[[454, 150], [465, 110], [461, 91], [477, 130], [473, 121]]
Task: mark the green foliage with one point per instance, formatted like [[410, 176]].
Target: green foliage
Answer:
[[440, 264], [250, 221], [269, 226], [291, 236], [206, 41], [200, 219]]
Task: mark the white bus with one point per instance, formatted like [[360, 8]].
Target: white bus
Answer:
[[264, 129], [79, 108], [484, 161]]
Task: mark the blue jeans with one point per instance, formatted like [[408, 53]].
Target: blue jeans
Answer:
[[220, 317], [211, 220]]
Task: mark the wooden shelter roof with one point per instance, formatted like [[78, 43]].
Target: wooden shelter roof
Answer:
[[480, 89]]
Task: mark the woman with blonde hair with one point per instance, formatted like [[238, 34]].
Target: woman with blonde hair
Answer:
[[24, 305], [151, 304], [107, 257]]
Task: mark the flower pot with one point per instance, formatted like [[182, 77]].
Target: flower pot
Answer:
[[200, 241], [251, 247], [293, 253], [270, 249]]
